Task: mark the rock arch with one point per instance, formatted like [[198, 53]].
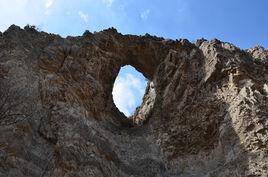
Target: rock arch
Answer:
[[209, 111]]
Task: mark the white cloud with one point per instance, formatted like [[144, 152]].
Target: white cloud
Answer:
[[144, 15], [21, 12], [127, 89], [83, 16], [108, 3], [48, 3]]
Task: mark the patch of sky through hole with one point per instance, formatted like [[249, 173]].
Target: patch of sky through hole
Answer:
[[128, 90]]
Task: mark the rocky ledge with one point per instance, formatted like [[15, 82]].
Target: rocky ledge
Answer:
[[204, 113]]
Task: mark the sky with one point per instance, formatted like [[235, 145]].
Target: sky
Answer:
[[129, 88], [241, 22]]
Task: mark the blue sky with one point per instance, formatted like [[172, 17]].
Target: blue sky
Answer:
[[241, 22]]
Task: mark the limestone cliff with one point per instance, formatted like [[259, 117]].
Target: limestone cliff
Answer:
[[204, 114]]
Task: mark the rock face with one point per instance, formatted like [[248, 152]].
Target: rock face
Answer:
[[204, 114]]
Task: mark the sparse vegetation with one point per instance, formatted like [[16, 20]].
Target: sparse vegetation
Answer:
[[32, 28]]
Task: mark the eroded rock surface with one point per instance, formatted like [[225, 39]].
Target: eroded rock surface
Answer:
[[204, 113]]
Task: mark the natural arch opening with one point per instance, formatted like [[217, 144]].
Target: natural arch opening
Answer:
[[128, 90]]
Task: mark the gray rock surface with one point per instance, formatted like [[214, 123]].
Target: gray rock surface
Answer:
[[204, 113]]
